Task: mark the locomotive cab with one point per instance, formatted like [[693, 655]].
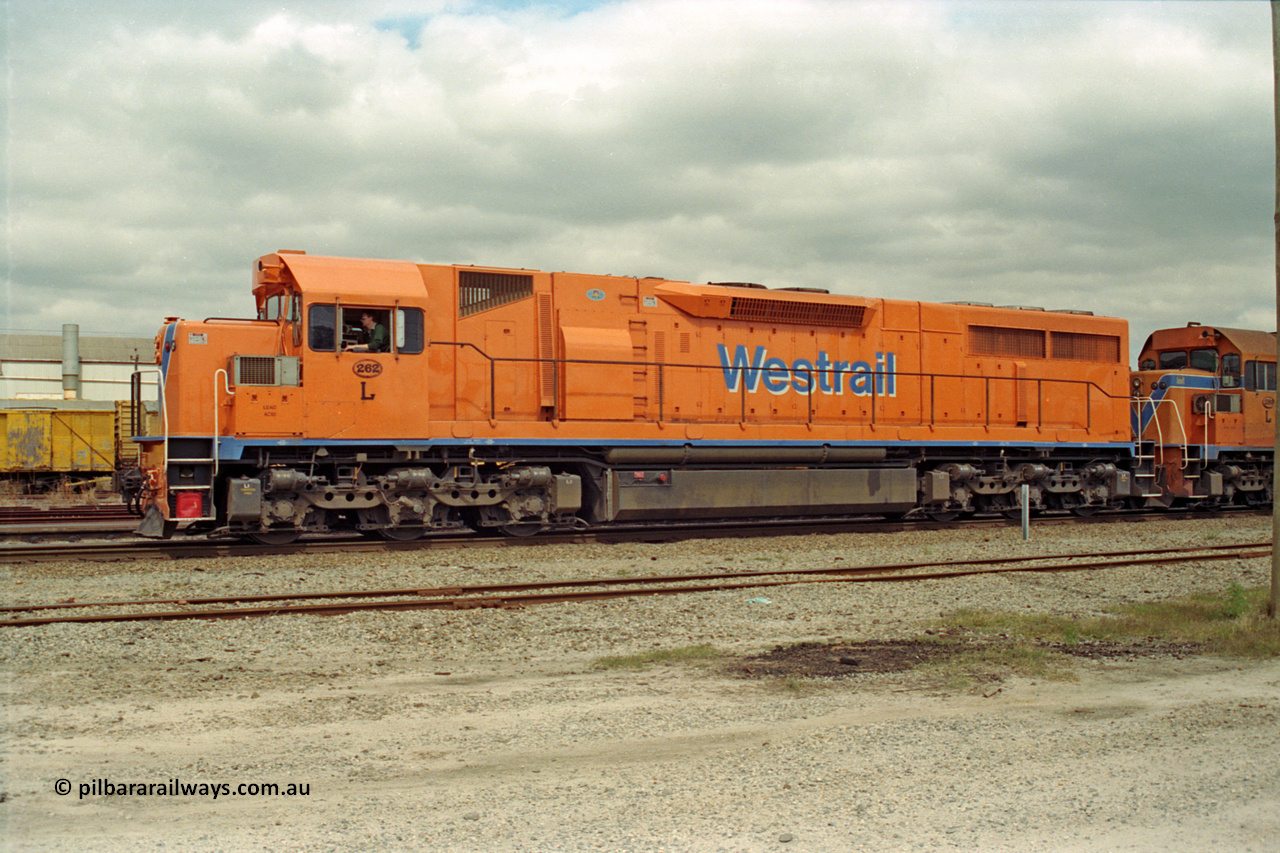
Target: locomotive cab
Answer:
[[316, 361], [1203, 416]]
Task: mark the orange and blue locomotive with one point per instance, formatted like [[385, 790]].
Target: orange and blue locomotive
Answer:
[[400, 398], [1204, 416]]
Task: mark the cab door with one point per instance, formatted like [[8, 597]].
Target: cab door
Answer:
[[353, 392], [1259, 403]]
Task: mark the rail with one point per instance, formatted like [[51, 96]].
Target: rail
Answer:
[[523, 594]]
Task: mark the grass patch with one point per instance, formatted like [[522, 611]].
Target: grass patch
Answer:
[[987, 644], [697, 655], [1232, 623], [796, 686], [971, 661]]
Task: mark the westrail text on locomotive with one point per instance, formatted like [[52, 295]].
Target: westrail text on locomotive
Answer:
[[803, 376]]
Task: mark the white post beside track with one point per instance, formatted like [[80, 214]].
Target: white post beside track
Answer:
[[1025, 500]]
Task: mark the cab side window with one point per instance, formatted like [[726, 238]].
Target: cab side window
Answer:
[[409, 330], [282, 306], [1230, 370], [366, 329], [1260, 376], [322, 327]]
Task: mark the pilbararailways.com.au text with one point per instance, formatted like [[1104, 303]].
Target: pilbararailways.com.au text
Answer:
[[178, 788]]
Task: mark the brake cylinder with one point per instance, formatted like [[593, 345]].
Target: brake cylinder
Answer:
[[289, 480]]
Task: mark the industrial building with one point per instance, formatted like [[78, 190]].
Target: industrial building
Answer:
[[70, 366]]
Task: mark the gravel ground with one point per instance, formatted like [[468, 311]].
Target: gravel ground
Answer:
[[494, 730]]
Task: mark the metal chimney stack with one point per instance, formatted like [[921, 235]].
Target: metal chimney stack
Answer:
[[70, 361]]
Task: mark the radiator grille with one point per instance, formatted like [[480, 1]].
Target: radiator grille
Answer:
[[782, 311], [1031, 343], [1084, 347], [999, 340]]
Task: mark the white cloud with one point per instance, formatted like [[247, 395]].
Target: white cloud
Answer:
[[1115, 156]]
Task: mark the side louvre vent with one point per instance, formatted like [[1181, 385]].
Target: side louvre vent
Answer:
[[780, 311], [998, 340], [480, 291], [1032, 343], [1078, 346], [546, 350]]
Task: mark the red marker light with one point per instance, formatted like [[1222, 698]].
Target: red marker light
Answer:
[[188, 505]]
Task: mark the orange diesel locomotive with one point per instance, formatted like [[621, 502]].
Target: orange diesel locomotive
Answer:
[[402, 398], [1204, 415]]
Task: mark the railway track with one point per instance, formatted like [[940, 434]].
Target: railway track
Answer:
[[32, 521], [517, 595], [56, 515], [145, 549]]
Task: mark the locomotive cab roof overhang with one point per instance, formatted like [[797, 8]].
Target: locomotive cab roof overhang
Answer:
[[1247, 341], [322, 278]]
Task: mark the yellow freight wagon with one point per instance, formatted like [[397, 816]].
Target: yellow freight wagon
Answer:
[[59, 438], [127, 450]]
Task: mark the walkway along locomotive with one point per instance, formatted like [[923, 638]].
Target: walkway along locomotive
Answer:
[[530, 401]]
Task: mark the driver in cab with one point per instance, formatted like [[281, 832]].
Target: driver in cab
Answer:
[[375, 336]]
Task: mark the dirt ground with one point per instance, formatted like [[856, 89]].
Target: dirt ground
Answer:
[[815, 730], [1151, 753]]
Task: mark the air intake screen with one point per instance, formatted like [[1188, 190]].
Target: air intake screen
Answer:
[[480, 291], [1082, 347], [266, 369], [996, 340], [808, 313], [255, 370]]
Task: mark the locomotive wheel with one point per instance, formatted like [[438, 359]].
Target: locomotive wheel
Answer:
[[521, 531], [1085, 510], [401, 534], [943, 514], [274, 537]]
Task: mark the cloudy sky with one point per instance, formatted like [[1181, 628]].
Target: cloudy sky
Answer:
[[1116, 157]]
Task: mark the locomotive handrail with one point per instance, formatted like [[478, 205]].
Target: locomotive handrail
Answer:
[[661, 368], [164, 421], [493, 406], [164, 415], [135, 396], [226, 383], [1141, 401], [239, 320], [136, 403], [1182, 428], [1208, 416], [1177, 415]]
